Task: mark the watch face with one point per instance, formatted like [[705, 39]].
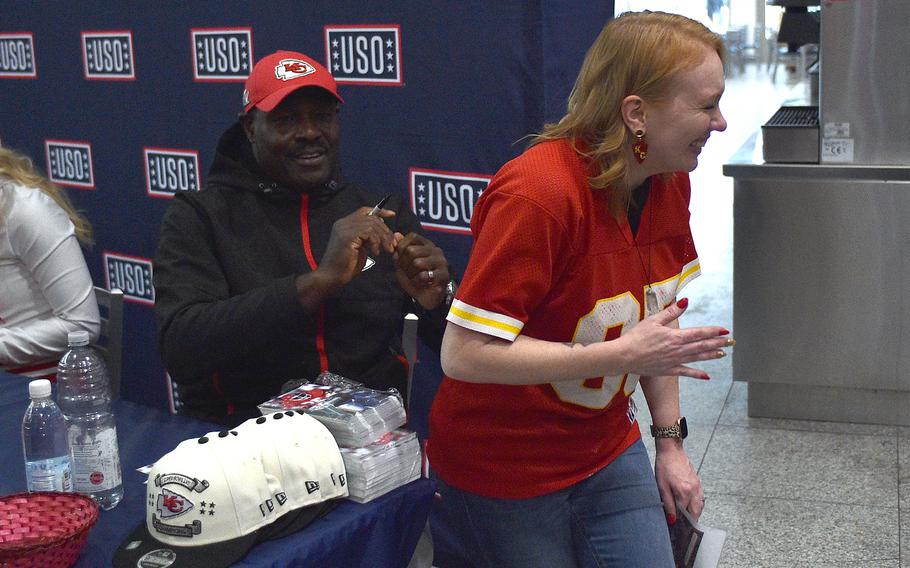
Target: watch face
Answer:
[[683, 428]]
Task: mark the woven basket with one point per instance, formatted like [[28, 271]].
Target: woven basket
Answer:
[[44, 529]]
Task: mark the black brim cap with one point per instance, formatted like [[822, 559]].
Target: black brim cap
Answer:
[[141, 550]]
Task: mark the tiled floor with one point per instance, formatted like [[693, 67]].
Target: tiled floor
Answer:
[[789, 493]]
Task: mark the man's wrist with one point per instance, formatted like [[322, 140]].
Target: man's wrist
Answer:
[[313, 289]]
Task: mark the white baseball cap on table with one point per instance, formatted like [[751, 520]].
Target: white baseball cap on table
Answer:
[[299, 450], [211, 499]]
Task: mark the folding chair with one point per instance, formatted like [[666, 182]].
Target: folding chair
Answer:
[[110, 342]]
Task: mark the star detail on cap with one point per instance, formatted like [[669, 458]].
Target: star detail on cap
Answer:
[[211, 508]]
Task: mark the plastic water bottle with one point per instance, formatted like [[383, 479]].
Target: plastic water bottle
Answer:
[[84, 395], [47, 455]]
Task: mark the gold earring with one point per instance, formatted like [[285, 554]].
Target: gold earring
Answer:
[[640, 147]]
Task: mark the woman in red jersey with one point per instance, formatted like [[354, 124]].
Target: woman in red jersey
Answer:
[[569, 301]]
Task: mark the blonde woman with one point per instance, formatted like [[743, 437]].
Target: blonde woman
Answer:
[[569, 302], [45, 287]]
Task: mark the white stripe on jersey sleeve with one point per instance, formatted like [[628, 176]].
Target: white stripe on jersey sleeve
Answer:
[[484, 321]]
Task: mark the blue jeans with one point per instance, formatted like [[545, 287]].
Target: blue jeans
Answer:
[[612, 519]]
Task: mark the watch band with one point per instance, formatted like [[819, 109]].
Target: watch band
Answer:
[[679, 430], [451, 288]]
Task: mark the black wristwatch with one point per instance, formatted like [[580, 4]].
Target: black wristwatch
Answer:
[[679, 430]]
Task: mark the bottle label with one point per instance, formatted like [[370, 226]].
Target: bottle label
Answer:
[[54, 474], [96, 461]]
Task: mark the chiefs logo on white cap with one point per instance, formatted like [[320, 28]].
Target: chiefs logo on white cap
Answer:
[[288, 69], [170, 504]]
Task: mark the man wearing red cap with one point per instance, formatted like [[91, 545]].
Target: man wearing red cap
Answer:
[[280, 268]]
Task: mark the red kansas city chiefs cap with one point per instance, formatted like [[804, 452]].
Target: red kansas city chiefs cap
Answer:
[[277, 75]]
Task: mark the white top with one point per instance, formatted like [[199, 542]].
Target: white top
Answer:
[[40, 388], [77, 338], [46, 290]]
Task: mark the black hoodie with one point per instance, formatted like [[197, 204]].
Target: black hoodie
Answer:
[[230, 328]]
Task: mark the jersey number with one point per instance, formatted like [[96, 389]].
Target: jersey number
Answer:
[[608, 320]]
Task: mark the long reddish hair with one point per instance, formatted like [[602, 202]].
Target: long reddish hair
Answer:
[[636, 53], [19, 168]]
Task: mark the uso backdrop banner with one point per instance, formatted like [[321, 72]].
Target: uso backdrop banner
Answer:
[[122, 104]]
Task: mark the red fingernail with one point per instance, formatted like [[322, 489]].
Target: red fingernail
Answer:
[[724, 331], [682, 303], [705, 378], [671, 520]]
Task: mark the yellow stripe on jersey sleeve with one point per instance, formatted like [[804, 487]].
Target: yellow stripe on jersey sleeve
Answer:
[[484, 321], [689, 272]]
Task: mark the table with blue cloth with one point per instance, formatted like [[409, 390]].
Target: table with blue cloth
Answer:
[[378, 534]]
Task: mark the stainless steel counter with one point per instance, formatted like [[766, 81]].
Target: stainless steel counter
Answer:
[[747, 163], [821, 277]]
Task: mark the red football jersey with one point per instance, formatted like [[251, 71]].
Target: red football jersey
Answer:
[[550, 262]]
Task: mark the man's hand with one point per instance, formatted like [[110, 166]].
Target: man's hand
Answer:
[[421, 268], [352, 238]]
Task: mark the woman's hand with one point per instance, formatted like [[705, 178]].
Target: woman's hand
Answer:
[[677, 481], [655, 348]]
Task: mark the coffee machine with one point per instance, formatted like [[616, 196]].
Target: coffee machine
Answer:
[[821, 232], [864, 82], [861, 116]]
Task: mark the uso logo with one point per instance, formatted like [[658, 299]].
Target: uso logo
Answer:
[[364, 55], [69, 163], [168, 171], [224, 54], [444, 201], [17, 55], [108, 56], [131, 274]]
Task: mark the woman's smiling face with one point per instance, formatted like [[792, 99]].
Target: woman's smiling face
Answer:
[[678, 128]]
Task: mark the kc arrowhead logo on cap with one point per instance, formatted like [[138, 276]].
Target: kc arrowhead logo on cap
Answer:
[[277, 75], [170, 504], [288, 69]]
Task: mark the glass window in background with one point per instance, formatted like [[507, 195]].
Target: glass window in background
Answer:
[[749, 27]]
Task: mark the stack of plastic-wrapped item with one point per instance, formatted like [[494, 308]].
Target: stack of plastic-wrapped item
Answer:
[[378, 454]]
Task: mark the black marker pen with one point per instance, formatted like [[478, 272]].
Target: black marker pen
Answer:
[[375, 210]]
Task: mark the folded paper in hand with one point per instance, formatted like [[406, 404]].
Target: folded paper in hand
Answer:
[[695, 545]]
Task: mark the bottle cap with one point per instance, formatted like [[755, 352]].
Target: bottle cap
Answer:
[[77, 338], [39, 388]]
